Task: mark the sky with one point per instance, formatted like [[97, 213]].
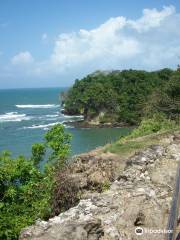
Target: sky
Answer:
[[48, 43]]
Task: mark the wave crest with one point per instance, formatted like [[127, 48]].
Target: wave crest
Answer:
[[43, 126], [47, 126], [38, 106], [13, 117]]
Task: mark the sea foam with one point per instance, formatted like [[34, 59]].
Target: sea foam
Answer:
[[43, 126], [73, 116], [38, 106], [13, 117], [47, 126]]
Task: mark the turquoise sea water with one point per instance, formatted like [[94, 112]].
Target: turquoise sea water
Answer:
[[26, 114]]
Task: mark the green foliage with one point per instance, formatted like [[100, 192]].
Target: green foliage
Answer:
[[166, 99], [26, 192], [59, 143], [144, 135], [158, 122], [38, 151], [124, 95]]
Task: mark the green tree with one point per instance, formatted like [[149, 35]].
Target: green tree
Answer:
[[166, 99], [59, 143], [38, 151], [26, 193], [119, 94]]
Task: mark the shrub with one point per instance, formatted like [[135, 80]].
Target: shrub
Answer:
[[26, 192], [156, 123], [38, 151], [66, 192], [59, 143]]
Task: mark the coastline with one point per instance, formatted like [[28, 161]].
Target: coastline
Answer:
[[93, 123], [86, 124]]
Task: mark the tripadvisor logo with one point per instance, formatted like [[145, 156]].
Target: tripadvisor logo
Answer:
[[139, 231]]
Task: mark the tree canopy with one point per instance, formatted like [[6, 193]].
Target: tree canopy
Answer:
[[123, 94]]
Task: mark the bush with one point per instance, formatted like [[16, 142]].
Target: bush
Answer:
[[38, 151], [26, 192], [59, 143], [66, 192], [156, 123]]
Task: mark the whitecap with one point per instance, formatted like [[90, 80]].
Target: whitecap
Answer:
[[37, 106], [42, 126], [73, 116], [13, 117], [52, 115]]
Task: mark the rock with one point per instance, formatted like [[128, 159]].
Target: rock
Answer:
[[90, 230], [96, 178], [139, 197]]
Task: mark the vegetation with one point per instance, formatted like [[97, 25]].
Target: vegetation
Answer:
[[166, 99], [158, 122], [125, 96], [144, 135], [148, 99], [26, 193], [59, 142]]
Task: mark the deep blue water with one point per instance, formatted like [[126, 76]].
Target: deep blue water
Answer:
[[26, 114]]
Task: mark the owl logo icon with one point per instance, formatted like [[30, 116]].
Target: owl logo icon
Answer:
[[139, 231]]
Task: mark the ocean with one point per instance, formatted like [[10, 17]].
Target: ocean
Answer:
[[26, 114]]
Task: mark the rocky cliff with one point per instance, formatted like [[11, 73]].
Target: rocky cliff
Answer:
[[140, 195]]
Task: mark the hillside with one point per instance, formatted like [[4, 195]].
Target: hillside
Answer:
[[119, 98], [139, 193]]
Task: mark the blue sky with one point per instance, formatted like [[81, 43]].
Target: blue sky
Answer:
[[51, 42]]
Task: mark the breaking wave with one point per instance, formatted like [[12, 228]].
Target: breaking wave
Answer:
[[13, 117], [38, 106], [43, 126], [73, 116]]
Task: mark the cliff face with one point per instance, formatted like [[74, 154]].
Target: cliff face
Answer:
[[139, 197]]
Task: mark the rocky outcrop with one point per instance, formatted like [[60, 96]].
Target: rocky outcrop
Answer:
[[91, 171], [139, 197]]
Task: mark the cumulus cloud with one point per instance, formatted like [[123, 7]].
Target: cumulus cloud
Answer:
[[149, 42], [122, 43], [152, 18], [22, 58], [105, 41]]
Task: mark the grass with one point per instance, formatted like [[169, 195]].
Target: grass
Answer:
[[128, 147], [151, 131]]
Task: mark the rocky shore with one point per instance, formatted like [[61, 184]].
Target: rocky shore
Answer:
[[119, 194], [90, 124], [94, 122]]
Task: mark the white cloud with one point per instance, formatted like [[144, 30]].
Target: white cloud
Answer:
[[149, 42], [22, 58], [152, 18], [121, 43], [105, 41]]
